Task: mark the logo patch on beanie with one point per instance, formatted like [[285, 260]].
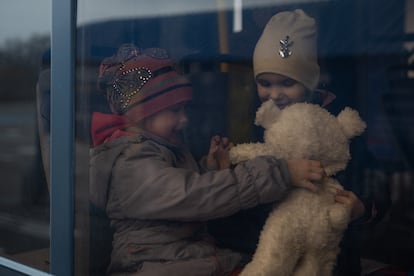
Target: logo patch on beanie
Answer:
[[285, 45]]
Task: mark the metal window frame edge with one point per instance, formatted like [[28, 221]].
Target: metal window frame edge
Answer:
[[21, 268], [62, 139]]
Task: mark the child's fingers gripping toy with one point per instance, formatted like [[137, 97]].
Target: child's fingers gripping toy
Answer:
[[302, 235]]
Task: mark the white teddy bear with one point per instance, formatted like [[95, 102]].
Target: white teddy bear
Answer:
[[302, 235]]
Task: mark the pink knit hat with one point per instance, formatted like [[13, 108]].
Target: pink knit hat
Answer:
[[139, 83], [288, 46]]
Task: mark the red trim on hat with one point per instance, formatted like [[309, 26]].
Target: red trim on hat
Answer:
[[156, 104], [159, 83], [158, 94]]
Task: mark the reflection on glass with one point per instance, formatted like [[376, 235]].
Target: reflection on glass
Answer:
[[364, 62], [24, 202]]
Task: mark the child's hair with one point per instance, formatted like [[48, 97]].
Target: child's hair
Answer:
[[139, 83], [287, 47]]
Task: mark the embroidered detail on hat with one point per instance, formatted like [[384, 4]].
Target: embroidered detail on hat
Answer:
[[128, 84], [285, 45]]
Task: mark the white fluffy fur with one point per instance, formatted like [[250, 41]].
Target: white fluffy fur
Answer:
[[302, 234]]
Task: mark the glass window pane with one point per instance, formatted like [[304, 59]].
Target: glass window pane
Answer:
[[364, 52], [24, 98]]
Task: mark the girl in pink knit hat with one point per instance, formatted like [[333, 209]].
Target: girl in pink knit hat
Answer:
[[154, 193]]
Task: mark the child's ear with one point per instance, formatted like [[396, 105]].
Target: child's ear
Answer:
[[267, 113]]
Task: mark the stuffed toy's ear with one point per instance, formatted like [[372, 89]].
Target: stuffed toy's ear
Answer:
[[267, 113], [351, 123]]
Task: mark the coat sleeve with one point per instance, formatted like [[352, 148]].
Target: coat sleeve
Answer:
[[146, 184]]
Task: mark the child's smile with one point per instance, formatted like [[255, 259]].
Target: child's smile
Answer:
[[282, 90]]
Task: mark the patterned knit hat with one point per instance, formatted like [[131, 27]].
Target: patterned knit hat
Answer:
[[288, 47], [139, 83]]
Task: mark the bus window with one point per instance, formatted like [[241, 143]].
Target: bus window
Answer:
[[365, 59]]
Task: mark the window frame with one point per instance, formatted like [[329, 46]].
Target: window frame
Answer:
[[62, 139]]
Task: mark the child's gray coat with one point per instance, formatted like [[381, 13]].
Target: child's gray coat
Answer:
[[158, 200]]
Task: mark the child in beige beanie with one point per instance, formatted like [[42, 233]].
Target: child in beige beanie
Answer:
[[285, 60], [286, 70]]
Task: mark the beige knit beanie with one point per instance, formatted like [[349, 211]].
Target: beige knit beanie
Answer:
[[288, 47]]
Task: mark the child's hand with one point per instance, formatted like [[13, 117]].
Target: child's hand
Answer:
[[352, 202], [218, 155], [303, 171]]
